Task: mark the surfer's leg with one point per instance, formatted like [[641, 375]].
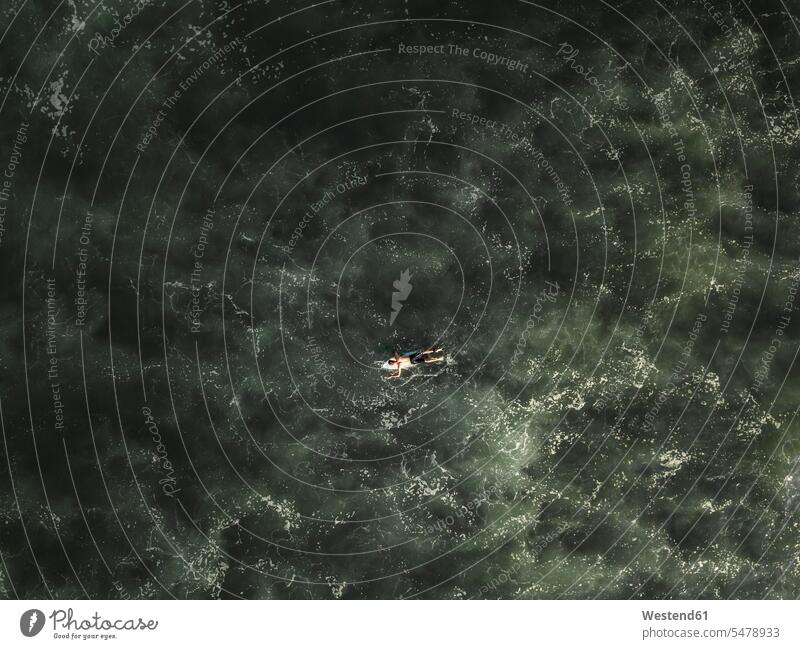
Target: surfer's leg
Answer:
[[429, 351]]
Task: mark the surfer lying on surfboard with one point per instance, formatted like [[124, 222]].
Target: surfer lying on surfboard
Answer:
[[410, 359]]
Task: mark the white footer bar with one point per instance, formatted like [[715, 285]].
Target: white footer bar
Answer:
[[410, 625]]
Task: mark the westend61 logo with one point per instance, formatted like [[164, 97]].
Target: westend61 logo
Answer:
[[31, 622], [67, 626]]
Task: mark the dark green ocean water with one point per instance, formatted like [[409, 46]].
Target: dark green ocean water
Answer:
[[205, 211]]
